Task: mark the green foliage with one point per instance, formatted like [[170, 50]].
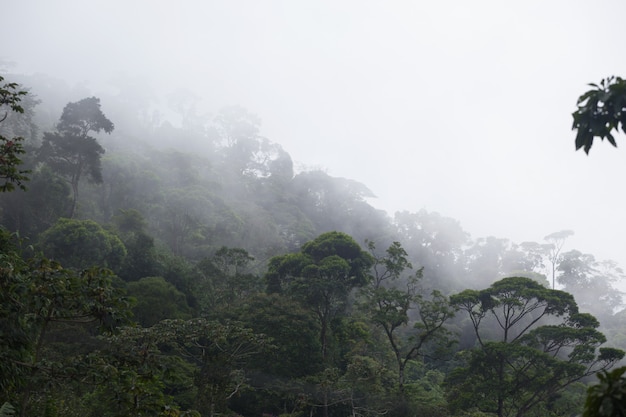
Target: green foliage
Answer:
[[82, 244], [83, 117], [410, 321], [182, 274], [35, 211], [7, 410], [157, 300], [608, 397], [219, 352], [129, 221], [332, 253], [292, 328], [601, 111], [141, 259], [45, 310], [342, 332], [525, 360], [11, 148], [225, 281], [369, 385], [130, 374], [322, 276], [172, 366]]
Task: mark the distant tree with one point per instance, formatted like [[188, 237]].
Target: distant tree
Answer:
[[70, 151], [601, 111], [556, 241], [532, 344], [435, 242], [488, 259], [592, 282], [241, 140], [340, 204], [11, 148]]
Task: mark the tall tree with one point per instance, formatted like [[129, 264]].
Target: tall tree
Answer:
[[321, 275], [70, 151], [556, 241], [532, 343], [409, 320]]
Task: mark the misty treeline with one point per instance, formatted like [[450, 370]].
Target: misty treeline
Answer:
[[185, 269]]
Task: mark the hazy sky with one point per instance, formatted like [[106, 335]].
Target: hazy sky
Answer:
[[460, 107]]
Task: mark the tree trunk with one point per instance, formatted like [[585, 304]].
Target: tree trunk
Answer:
[[500, 380], [401, 366], [74, 198]]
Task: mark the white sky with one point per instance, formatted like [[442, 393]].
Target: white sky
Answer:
[[460, 107]]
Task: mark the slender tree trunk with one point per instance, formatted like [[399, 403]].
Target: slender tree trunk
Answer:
[[74, 181], [74, 199], [500, 380], [323, 313], [325, 408], [323, 331], [401, 366]]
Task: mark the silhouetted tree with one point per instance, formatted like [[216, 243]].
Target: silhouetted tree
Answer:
[[70, 151], [601, 110]]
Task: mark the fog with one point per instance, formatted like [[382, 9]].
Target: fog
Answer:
[[458, 107]]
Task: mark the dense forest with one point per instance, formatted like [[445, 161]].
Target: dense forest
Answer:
[[159, 263]]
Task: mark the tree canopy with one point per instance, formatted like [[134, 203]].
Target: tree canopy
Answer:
[[235, 286], [322, 274], [532, 343]]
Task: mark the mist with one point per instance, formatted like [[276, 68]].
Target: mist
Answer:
[[462, 109]]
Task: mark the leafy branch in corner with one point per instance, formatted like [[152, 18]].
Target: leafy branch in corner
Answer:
[[601, 111]]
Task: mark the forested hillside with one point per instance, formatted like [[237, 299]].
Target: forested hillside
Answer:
[[180, 264]]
